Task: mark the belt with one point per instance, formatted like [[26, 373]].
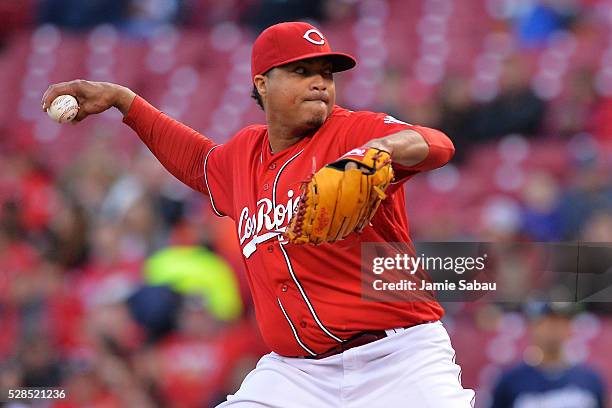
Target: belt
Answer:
[[360, 339]]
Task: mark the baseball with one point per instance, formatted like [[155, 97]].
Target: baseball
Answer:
[[63, 109]]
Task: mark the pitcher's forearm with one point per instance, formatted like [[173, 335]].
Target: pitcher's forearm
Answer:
[[420, 149], [180, 149]]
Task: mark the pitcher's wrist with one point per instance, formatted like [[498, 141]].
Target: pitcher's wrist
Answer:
[[123, 98]]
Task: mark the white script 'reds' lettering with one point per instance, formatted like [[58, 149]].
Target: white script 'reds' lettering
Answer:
[[273, 218]]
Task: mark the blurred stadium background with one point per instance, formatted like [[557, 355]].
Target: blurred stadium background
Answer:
[[90, 224]]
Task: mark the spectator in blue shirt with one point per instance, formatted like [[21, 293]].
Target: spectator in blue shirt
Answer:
[[546, 378]]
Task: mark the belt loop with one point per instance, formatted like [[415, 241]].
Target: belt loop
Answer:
[[394, 331], [390, 332]]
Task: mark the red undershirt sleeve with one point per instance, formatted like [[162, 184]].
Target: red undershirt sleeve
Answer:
[[191, 157], [441, 150]]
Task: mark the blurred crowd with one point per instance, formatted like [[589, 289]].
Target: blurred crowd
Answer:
[[143, 17], [81, 301], [109, 268]]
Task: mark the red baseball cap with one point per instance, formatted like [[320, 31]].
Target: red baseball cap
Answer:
[[283, 43]]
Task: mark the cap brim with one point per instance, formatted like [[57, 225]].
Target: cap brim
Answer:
[[340, 61]]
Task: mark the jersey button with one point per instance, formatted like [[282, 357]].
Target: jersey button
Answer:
[[270, 248], [303, 325], [272, 166], [266, 187], [284, 288]]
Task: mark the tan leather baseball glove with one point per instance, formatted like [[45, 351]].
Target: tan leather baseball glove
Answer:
[[338, 200]]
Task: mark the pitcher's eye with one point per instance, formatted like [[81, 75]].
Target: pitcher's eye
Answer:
[[300, 70]]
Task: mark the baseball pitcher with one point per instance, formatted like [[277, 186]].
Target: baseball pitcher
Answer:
[[305, 191]]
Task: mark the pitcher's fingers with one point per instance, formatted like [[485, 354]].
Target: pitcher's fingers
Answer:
[[352, 165], [53, 91], [80, 115]]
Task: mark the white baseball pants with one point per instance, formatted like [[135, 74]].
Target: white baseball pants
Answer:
[[414, 367]]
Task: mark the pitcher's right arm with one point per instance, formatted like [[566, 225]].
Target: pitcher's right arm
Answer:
[[180, 149]]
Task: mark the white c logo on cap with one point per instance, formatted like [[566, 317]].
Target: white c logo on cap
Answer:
[[308, 37]]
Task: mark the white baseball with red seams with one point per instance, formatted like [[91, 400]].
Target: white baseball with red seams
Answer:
[[63, 109]]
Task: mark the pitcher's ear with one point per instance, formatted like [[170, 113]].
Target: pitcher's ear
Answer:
[[260, 84]]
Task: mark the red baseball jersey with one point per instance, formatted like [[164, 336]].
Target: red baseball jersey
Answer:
[[307, 298]]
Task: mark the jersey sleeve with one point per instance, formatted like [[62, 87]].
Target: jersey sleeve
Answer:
[[376, 125], [192, 158]]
